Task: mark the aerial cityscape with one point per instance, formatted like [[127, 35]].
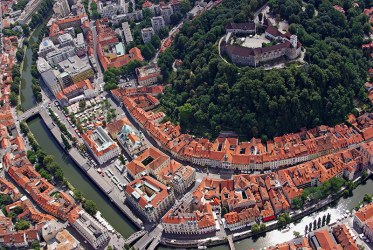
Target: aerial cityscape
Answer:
[[189, 124]]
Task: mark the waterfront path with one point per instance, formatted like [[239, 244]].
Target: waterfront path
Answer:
[[90, 171]]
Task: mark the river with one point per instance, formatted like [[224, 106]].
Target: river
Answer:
[[274, 237], [27, 96], [79, 180]]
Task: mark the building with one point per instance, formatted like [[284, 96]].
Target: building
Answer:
[[61, 8], [48, 75], [60, 55], [148, 75], [89, 228], [363, 220], [77, 69], [242, 219], [45, 47], [288, 47], [132, 142], [158, 23], [150, 197], [323, 239], [178, 176], [166, 12], [108, 47], [65, 40], [80, 45], [147, 34], [28, 11], [186, 218], [110, 8], [151, 161], [101, 146], [241, 28], [76, 92], [127, 32]]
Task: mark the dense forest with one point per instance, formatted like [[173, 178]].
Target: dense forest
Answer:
[[207, 95]]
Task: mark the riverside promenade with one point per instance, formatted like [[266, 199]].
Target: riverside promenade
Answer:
[[90, 171]]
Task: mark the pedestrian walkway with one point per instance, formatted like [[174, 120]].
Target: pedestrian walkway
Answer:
[[230, 241]]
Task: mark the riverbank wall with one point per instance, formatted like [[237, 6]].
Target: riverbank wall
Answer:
[[214, 241], [89, 171]]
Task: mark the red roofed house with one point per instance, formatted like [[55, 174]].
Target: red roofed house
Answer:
[[101, 146], [363, 219], [150, 197]]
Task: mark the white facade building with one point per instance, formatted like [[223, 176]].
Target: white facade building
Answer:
[[158, 23], [61, 8], [101, 146], [147, 34]]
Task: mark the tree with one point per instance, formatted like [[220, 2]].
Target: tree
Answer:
[[367, 198], [19, 55], [298, 202], [5, 200], [78, 195], [296, 234], [284, 219], [48, 159], [82, 104], [13, 98], [314, 224], [328, 219], [224, 210], [310, 226], [90, 207], [35, 245], [156, 41], [306, 229], [65, 142], [22, 225], [255, 228]]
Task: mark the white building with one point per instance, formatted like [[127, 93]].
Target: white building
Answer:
[[127, 32], [61, 8], [45, 47], [60, 55], [148, 75], [48, 75], [183, 179], [65, 40], [111, 8], [150, 197], [89, 228], [29, 10], [158, 23], [131, 141], [80, 45], [147, 34], [363, 219], [101, 146]]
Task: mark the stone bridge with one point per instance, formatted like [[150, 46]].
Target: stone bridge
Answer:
[[134, 237], [30, 112]]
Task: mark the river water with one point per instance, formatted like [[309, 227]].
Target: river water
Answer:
[[78, 179], [27, 96], [274, 237]]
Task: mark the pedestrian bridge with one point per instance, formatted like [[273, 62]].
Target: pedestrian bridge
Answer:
[[134, 237]]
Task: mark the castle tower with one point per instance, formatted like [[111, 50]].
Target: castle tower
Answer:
[[294, 40]]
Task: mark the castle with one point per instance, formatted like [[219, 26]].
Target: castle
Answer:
[[288, 46]]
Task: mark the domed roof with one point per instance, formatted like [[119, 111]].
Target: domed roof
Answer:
[[126, 129]]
